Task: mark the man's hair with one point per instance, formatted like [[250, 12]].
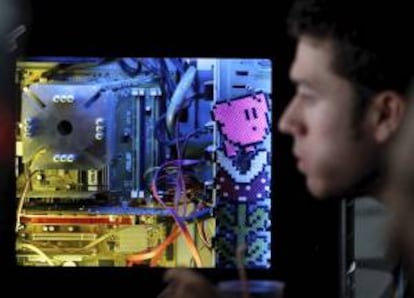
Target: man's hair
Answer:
[[371, 42]]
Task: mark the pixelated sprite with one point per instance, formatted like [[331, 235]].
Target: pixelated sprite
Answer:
[[242, 122]]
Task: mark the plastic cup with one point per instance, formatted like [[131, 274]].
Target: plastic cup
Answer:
[[255, 288]]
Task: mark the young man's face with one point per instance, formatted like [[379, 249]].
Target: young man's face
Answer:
[[333, 152]]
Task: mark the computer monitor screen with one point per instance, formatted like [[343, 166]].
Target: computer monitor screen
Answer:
[[136, 161]]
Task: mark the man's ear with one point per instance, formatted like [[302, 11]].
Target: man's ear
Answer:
[[386, 113]]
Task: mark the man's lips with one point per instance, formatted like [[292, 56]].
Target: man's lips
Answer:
[[300, 163]]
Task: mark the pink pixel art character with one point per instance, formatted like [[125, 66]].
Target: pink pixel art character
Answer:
[[242, 122]]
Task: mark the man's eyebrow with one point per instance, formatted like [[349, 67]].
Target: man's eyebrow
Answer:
[[302, 82]]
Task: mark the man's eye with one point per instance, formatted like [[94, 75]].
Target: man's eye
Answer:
[[305, 95]]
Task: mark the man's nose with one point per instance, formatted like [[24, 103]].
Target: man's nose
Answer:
[[291, 120]]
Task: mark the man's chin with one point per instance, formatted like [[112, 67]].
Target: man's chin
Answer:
[[321, 191], [316, 190]]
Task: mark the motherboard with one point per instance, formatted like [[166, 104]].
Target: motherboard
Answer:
[[156, 162]]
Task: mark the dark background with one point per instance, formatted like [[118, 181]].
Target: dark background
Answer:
[[305, 231]]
